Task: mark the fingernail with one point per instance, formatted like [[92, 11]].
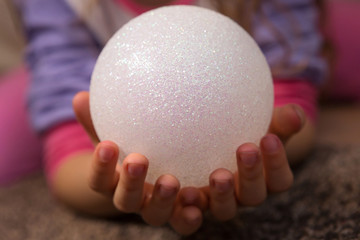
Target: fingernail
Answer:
[[106, 154], [135, 170], [166, 191], [249, 159], [270, 144], [222, 185]]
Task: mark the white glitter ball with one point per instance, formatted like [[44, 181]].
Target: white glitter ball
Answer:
[[184, 86]]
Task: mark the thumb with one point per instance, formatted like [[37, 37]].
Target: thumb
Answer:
[[82, 111]]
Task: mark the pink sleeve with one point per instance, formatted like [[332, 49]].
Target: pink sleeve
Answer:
[[138, 8], [296, 91], [61, 142]]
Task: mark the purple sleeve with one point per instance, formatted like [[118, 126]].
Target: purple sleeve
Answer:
[[288, 34], [61, 55]]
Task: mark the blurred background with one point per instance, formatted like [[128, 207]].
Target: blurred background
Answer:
[[24, 157], [12, 41]]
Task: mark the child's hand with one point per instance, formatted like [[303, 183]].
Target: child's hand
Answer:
[[261, 169], [126, 186], [156, 204]]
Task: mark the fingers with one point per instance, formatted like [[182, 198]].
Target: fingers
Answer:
[[223, 204], [251, 186], [156, 204], [287, 120], [128, 195], [82, 111], [278, 174], [261, 170], [159, 208], [187, 215], [103, 177]]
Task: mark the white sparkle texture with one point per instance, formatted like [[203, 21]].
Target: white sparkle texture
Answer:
[[184, 86]]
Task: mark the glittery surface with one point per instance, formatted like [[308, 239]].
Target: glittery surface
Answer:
[[184, 86]]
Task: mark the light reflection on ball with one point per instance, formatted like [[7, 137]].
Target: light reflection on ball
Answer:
[[184, 86]]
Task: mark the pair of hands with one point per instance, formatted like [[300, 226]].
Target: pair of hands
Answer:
[[261, 169]]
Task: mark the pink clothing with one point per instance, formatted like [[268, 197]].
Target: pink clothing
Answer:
[[139, 8], [20, 151], [300, 92], [343, 30], [20, 148]]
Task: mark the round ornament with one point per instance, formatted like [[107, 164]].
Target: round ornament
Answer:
[[184, 86]]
